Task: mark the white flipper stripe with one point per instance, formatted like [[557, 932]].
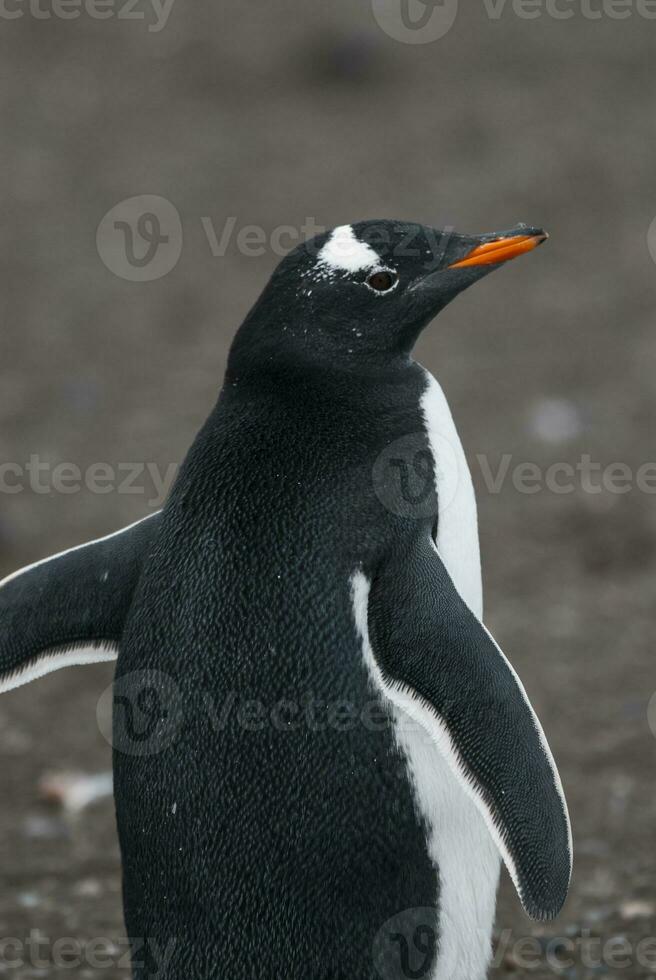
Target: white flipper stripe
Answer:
[[49, 661]]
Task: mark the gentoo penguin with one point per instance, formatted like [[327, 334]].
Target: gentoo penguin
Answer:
[[321, 754]]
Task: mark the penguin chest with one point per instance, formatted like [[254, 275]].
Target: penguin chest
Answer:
[[457, 524]]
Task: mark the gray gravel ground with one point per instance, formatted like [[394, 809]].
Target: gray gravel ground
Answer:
[[270, 114]]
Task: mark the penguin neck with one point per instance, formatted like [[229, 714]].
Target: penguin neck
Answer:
[[270, 343], [250, 369], [295, 360]]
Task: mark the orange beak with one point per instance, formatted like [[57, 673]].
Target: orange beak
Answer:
[[501, 250]]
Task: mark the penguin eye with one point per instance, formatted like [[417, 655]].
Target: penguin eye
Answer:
[[383, 281]]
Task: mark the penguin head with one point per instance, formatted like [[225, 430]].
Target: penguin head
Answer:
[[362, 293]]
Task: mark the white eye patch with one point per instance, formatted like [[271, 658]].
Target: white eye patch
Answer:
[[344, 253]]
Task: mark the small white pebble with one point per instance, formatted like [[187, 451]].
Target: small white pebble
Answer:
[[88, 888], [637, 909], [555, 420], [28, 900], [75, 791]]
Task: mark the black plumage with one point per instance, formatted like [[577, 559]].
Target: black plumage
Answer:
[[267, 817]]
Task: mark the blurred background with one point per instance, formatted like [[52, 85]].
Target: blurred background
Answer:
[[220, 117]]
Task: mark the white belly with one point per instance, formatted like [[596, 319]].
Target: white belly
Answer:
[[459, 842]]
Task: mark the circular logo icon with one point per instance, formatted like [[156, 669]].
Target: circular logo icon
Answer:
[[140, 239], [651, 239], [406, 945], [415, 21], [140, 713], [408, 471], [651, 714]]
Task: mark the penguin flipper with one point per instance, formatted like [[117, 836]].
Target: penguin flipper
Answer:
[[434, 659], [70, 608]]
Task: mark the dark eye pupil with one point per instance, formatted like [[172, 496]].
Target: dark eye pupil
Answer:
[[381, 281]]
